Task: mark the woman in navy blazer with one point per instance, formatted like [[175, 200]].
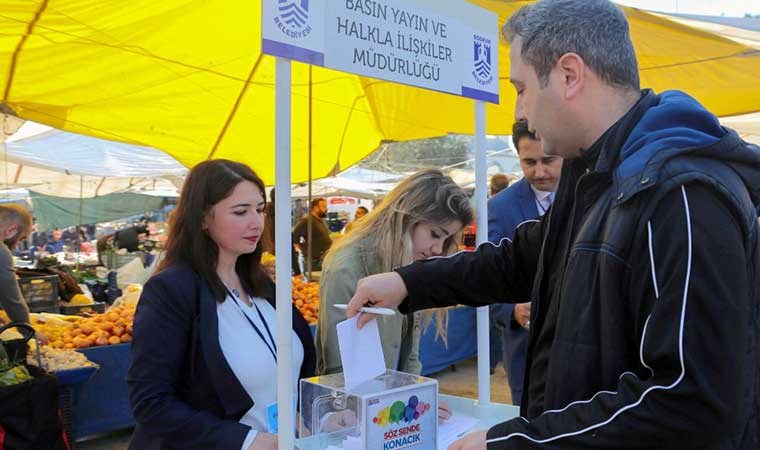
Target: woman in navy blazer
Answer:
[[183, 390]]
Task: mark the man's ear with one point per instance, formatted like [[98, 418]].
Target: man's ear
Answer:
[[10, 232], [572, 69]]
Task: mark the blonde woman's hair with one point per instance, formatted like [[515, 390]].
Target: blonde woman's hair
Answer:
[[427, 196]]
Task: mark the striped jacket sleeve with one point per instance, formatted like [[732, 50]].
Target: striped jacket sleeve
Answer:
[[493, 273]]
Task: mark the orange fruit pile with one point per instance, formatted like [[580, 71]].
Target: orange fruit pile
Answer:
[[306, 299], [111, 328]]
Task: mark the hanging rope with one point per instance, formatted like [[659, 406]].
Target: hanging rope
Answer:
[[78, 251], [6, 134]]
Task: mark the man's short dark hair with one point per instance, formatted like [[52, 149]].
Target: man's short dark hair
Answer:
[[363, 209], [520, 130], [596, 30], [315, 202]]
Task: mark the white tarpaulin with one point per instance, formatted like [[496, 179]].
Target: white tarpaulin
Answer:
[[62, 164], [338, 186], [748, 126], [354, 182], [57, 163]]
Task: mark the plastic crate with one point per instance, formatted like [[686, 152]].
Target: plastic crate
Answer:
[[51, 307], [115, 261], [83, 310], [40, 293]]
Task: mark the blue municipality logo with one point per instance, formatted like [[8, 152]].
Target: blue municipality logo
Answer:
[[295, 13], [293, 18], [482, 60]]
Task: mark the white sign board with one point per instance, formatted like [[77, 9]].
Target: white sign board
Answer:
[[449, 46]]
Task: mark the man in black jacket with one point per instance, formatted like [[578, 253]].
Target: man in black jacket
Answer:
[[646, 288], [129, 238]]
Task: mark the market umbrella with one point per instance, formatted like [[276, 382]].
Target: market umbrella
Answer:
[[188, 77]]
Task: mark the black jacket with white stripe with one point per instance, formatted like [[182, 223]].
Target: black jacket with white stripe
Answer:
[[645, 281]]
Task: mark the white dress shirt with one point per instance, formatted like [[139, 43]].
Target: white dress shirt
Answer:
[[250, 359], [544, 200]]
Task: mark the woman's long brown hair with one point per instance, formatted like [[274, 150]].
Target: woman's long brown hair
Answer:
[[207, 184]]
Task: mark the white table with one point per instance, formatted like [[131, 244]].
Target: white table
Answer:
[[487, 415]]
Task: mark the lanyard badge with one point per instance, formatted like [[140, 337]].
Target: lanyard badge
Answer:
[[271, 345]]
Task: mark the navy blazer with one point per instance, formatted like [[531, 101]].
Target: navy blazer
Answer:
[[506, 210], [183, 392]]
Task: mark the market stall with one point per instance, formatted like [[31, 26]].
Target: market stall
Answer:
[[103, 339]]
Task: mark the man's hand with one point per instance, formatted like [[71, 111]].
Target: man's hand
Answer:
[[339, 420], [473, 441], [522, 314], [264, 441], [384, 290]]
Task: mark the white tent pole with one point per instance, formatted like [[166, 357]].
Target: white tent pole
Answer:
[[481, 206], [285, 420]]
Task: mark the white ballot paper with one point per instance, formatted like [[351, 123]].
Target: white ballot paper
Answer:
[[453, 429], [360, 351]]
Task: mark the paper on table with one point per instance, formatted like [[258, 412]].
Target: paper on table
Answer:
[[360, 351], [349, 443], [453, 429], [352, 443]]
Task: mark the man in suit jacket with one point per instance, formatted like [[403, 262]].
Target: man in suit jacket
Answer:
[[526, 200]]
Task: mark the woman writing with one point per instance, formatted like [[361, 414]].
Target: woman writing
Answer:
[[418, 219], [203, 371]]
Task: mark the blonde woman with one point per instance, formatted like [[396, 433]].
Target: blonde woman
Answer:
[[420, 218]]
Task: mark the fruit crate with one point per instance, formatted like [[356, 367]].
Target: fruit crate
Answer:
[[40, 293], [83, 310], [115, 261]]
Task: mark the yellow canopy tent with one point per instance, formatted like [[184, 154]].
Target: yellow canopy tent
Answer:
[[189, 78]]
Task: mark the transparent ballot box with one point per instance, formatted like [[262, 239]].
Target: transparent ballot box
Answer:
[[393, 411]]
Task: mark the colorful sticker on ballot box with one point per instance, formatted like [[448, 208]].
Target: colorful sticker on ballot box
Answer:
[[404, 420]]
